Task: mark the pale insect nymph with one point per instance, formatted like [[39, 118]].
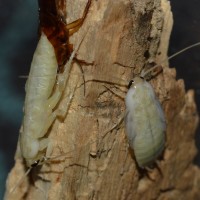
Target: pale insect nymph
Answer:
[[40, 102], [145, 121], [44, 89], [44, 86]]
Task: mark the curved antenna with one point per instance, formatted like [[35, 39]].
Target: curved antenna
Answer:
[[21, 180], [145, 73], [183, 50]]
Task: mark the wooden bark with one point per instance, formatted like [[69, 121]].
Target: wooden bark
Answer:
[[123, 37]]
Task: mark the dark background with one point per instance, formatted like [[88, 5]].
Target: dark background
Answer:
[[186, 31], [18, 38]]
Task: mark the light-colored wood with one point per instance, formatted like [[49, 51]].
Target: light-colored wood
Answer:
[[119, 34]]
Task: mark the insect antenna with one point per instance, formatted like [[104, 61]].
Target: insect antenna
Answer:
[[64, 77], [158, 68], [153, 70], [20, 180], [23, 76], [103, 80], [144, 73], [82, 73], [183, 50]]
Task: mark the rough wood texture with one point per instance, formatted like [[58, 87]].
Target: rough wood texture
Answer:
[[123, 36]]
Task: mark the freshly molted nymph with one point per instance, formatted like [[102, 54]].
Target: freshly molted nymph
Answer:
[[42, 96], [44, 86], [38, 106], [145, 122]]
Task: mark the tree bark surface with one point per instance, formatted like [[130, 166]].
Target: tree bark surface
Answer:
[[122, 37]]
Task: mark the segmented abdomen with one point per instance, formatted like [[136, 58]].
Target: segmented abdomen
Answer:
[[145, 124], [39, 88]]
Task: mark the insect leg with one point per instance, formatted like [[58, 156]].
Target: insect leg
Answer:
[[75, 25], [62, 80], [57, 112], [115, 126], [63, 112], [125, 158], [55, 98], [83, 76], [46, 142]]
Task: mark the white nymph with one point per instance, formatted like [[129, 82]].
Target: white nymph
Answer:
[[145, 122]]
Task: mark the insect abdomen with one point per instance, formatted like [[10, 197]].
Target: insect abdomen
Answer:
[[145, 123], [39, 88]]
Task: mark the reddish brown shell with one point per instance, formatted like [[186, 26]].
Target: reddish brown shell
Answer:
[[52, 15]]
